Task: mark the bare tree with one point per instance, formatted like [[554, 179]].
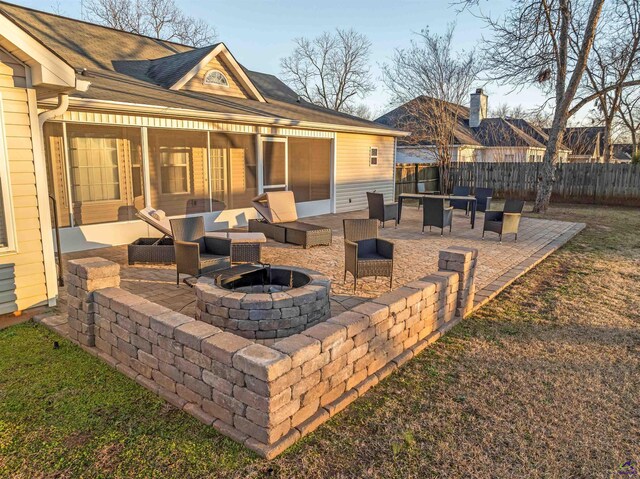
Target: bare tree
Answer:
[[531, 44], [331, 70], [432, 81], [629, 115], [547, 43], [161, 19], [613, 61], [504, 110]]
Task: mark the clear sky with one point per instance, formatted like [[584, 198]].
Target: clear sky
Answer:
[[260, 32]]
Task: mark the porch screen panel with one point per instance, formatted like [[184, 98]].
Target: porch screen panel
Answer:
[[310, 169], [56, 170], [178, 171], [104, 164], [234, 183]]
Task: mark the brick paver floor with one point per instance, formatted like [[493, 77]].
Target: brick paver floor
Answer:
[[415, 256]]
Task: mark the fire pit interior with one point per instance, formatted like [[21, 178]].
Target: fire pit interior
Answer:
[[262, 279], [263, 302]]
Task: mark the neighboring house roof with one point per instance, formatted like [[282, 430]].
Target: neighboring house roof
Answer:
[[492, 132], [128, 68], [623, 151], [584, 140]]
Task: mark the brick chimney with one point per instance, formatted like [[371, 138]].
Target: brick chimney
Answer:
[[478, 108]]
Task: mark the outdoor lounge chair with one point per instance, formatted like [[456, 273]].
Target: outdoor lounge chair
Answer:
[[483, 198], [460, 204], [245, 247], [506, 221], [436, 214], [280, 221], [364, 253], [197, 254], [381, 211]]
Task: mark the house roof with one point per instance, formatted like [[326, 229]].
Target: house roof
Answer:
[[492, 132], [584, 140], [128, 68]]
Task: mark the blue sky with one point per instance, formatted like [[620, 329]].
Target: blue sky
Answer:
[[260, 32]]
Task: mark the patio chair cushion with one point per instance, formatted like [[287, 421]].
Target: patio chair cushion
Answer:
[[276, 207], [163, 225], [158, 214], [213, 262]]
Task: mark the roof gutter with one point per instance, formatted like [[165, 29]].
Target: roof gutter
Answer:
[[123, 107]]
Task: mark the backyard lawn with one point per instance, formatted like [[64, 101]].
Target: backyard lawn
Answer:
[[542, 382]]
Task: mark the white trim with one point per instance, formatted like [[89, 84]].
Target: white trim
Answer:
[[146, 173], [42, 193], [334, 168], [237, 70], [47, 68], [67, 172], [275, 139], [132, 108], [5, 182]]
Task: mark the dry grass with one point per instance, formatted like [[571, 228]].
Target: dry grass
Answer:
[[543, 382]]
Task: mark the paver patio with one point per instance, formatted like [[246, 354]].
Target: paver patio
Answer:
[[415, 257]]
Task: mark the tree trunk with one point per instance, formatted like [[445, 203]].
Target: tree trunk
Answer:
[[547, 173], [607, 154]]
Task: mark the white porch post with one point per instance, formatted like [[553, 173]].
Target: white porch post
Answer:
[[145, 167]]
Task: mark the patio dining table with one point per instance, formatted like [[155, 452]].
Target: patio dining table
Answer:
[[471, 201]]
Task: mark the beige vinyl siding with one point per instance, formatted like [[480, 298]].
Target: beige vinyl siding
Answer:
[[354, 176], [234, 89], [22, 273]]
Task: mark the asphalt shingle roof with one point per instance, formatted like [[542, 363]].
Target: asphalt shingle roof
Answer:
[[130, 68], [492, 132]]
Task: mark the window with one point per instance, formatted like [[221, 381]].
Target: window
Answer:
[[104, 167], [310, 169], [94, 167], [174, 170], [215, 77], [508, 158], [373, 156], [7, 227], [178, 171]]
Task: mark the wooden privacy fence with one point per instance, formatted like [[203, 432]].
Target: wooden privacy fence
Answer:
[[409, 175], [602, 183]]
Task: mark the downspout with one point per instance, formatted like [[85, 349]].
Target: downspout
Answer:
[[60, 109]]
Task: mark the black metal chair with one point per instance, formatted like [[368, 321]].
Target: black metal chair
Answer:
[[506, 221], [460, 204], [197, 254], [364, 253], [435, 213], [483, 198], [381, 211]]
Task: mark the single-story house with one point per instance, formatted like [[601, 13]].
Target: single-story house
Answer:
[[476, 137], [108, 122], [588, 146]]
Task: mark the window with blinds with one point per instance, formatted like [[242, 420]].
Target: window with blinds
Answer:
[[94, 167]]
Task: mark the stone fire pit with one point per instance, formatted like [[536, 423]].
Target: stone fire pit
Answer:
[[264, 303]]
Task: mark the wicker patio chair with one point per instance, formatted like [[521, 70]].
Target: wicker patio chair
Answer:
[[483, 198], [435, 213], [506, 221], [364, 253], [380, 210], [460, 204], [197, 254]]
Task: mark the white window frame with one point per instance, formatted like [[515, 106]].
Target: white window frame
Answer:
[[7, 197], [373, 157], [209, 83]]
